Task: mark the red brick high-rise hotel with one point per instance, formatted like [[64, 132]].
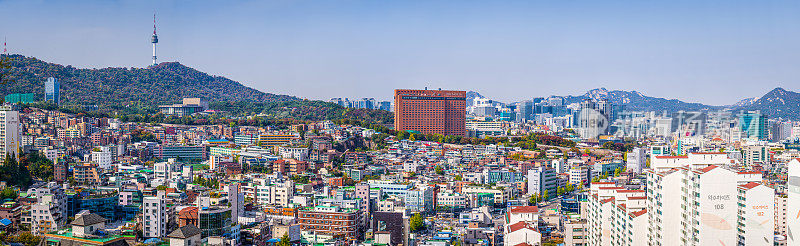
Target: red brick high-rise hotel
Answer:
[[430, 111]]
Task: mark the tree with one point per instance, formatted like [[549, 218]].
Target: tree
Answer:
[[284, 240], [532, 200], [300, 179], [570, 188], [416, 223], [458, 178], [439, 170], [616, 172], [39, 166], [545, 196], [8, 193], [27, 239], [13, 173]]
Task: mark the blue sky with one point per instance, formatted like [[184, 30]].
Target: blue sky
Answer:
[[715, 52]]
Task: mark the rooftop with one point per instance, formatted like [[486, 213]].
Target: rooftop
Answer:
[[67, 234]]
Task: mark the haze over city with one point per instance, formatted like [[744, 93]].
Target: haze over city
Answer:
[[509, 51]]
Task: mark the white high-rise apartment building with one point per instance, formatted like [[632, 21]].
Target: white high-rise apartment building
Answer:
[[9, 131], [780, 214], [701, 206], [756, 221], [616, 216], [664, 224], [793, 203], [694, 160], [155, 217]]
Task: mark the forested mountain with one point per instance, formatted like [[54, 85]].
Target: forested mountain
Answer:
[[778, 103], [164, 83], [135, 93]]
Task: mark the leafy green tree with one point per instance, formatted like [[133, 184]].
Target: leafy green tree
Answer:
[[27, 239], [439, 170], [533, 200], [13, 173], [416, 222], [8, 193], [39, 166], [569, 188], [284, 240]]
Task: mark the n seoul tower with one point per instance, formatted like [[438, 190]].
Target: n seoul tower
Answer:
[[154, 40]]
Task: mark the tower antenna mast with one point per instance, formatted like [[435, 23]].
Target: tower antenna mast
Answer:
[[154, 40]]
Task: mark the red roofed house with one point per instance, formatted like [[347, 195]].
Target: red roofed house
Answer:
[[522, 233]]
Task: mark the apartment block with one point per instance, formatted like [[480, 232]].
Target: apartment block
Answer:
[[154, 213]]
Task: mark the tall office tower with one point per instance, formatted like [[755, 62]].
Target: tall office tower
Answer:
[[338, 101], [689, 123], [51, 91], [525, 109], [592, 119], [155, 217], [793, 203], [368, 103], [9, 128], [430, 111], [781, 131], [385, 105], [689, 206], [753, 125]]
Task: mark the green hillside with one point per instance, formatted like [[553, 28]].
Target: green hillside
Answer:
[[135, 93]]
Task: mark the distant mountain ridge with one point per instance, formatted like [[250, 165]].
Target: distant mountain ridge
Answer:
[[778, 103], [744, 102], [163, 83], [637, 101], [471, 95]]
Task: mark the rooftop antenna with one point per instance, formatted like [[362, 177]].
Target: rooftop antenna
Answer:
[[5, 51], [154, 40]]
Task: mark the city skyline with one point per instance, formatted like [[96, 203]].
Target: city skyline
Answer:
[[321, 50], [514, 123]]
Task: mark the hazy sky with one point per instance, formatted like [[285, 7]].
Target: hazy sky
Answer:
[[714, 52]]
